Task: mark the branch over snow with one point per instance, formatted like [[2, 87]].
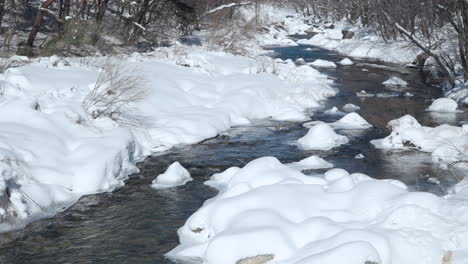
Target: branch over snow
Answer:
[[426, 49], [221, 7], [50, 12]]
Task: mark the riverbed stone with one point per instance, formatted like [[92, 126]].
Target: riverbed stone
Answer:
[[260, 259]]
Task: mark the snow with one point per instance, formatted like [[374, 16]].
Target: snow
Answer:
[[346, 62], [52, 151], [447, 144], [323, 64], [351, 108], [395, 81], [269, 209], [321, 137], [445, 105], [175, 175]]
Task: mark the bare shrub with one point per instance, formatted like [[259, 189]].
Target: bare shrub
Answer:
[[5, 64], [264, 64], [115, 93], [233, 37]]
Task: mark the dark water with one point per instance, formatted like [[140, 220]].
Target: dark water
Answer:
[[138, 224]]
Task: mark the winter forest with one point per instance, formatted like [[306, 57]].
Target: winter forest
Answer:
[[234, 131]]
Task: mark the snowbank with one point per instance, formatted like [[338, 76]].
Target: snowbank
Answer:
[[321, 137], [52, 151], [448, 144], [365, 44], [268, 209], [445, 105], [175, 175]]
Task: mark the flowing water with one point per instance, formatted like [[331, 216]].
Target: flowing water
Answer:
[[137, 224]]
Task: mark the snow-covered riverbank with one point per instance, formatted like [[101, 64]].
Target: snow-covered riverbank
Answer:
[[270, 211], [52, 152]]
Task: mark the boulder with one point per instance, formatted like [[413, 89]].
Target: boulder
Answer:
[[347, 34]]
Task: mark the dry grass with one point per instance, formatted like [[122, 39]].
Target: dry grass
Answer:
[[115, 93]]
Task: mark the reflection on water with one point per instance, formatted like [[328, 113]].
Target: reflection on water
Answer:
[[138, 224]]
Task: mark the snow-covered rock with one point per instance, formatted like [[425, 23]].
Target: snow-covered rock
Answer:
[[333, 111], [175, 175], [351, 121], [323, 64], [321, 137], [346, 62], [351, 107], [311, 163], [363, 93], [395, 81], [359, 156], [448, 144], [269, 209], [446, 105], [404, 122]]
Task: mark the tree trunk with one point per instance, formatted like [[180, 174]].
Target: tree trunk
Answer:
[[38, 23], [66, 8], [101, 10], [2, 11], [463, 38]]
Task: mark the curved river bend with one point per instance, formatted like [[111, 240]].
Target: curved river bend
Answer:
[[138, 224]]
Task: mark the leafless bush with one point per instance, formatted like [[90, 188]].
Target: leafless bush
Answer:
[[5, 64], [264, 64], [115, 93], [233, 37]]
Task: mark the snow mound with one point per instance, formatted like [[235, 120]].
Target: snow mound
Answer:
[[445, 105], [447, 144], [323, 64], [269, 209], [351, 121], [175, 175], [311, 163], [351, 107], [395, 81], [321, 137], [346, 62]]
